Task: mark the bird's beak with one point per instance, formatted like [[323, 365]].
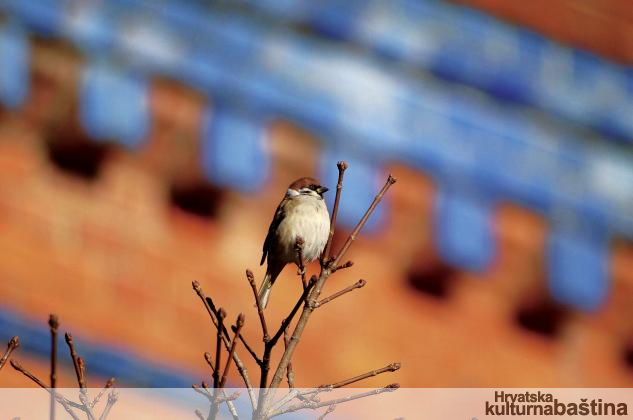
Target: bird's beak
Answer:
[[322, 190]]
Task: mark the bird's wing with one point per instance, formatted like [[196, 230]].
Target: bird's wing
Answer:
[[277, 218]]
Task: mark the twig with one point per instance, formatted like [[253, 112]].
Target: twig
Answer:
[[273, 341], [208, 303], [247, 346], [83, 397], [221, 314], [238, 362], [270, 344], [81, 379], [283, 401], [389, 368], [390, 181], [342, 166], [316, 290], [348, 264], [314, 405], [286, 322], [207, 357], [67, 407], [82, 372], [299, 242], [202, 390], [13, 344], [218, 347], [226, 338], [199, 414], [300, 394], [360, 283], [239, 325], [230, 405], [17, 366], [53, 324], [83, 391], [328, 411], [260, 310], [290, 375], [107, 386], [113, 397]]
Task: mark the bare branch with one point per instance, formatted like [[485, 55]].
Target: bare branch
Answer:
[[67, 407], [113, 397], [360, 283], [290, 375], [13, 344], [389, 368], [207, 357], [239, 325], [328, 411], [213, 313], [238, 362], [230, 405], [260, 310], [217, 382], [390, 181], [199, 414], [342, 166], [247, 346], [218, 347], [107, 386], [53, 324], [314, 404], [202, 390], [83, 397], [73, 355], [299, 242], [82, 373], [17, 366], [286, 322], [343, 266]]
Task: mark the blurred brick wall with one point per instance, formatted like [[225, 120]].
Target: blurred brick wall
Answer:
[[604, 27], [112, 253]]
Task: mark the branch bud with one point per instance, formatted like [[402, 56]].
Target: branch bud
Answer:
[[14, 343]]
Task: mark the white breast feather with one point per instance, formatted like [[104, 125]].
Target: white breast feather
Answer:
[[308, 219]]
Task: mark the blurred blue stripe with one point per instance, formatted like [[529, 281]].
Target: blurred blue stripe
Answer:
[[114, 104], [578, 268], [463, 230], [464, 45], [233, 149], [101, 359], [15, 59]]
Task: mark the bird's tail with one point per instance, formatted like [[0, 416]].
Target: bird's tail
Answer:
[[264, 290], [269, 279]]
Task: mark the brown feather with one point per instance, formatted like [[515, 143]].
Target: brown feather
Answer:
[[304, 182], [277, 218]]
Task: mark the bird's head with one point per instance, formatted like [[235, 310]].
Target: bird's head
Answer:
[[307, 186]]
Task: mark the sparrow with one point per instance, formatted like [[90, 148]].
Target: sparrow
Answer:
[[301, 213]]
